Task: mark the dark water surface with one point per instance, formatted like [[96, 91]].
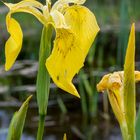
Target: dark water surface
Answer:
[[19, 83]]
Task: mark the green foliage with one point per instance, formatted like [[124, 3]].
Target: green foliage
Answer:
[[129, 84], [17, 122], [138, 126], [43, 78], [123, 34]]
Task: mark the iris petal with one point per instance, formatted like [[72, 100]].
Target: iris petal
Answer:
[[71, 47], [28, 6], [58, 19], [14, 43], [24, 3]]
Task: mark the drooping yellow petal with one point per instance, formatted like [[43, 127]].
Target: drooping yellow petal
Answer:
[[14, 43], [58, 63], [117, 108], [71, 46], [113, 83], [83, 23], [103, 84]]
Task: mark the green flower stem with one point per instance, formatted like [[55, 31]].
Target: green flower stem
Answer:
[[132, 137], [41, 127], [124, 131], [43, 78]]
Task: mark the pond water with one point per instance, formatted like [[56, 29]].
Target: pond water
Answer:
[[19, 83], [76, 126]]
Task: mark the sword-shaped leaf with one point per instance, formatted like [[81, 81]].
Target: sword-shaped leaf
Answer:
[[17, 122]]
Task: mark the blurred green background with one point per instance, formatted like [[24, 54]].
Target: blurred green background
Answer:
[[90, 118]]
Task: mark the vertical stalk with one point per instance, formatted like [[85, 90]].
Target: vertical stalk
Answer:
[[124, 131], [132, 137], [41, 127], [125, 134], [43, 78], [138, 125]]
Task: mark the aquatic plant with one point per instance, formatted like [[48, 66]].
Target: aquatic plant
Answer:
[[121, 90], [75, 27]]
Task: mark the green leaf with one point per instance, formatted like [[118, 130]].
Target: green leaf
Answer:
[[129, 85], [138, 126], [17, 122], [124, 31], [43, 78]]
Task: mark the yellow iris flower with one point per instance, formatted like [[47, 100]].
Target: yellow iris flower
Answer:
[[76, 29], [120, 87], [113, 83]]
